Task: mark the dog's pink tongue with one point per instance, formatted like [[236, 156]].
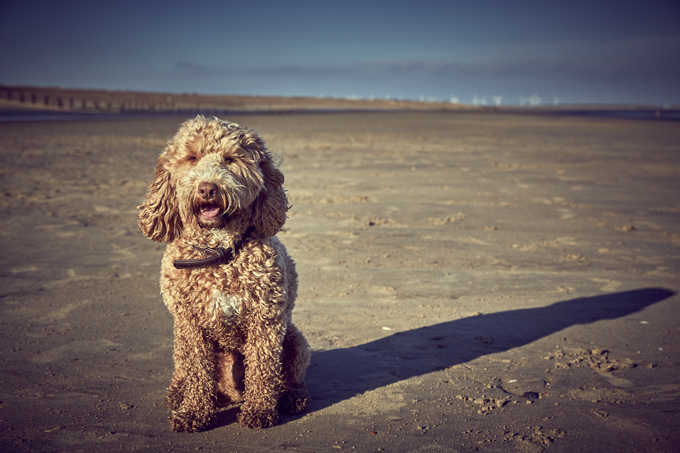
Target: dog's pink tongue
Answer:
[[210, 212]]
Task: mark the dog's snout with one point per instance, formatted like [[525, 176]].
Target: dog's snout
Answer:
[[207, 190]]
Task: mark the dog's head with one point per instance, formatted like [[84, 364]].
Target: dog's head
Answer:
[[214, 174]]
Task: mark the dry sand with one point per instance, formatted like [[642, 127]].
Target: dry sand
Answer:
[[468, 282]]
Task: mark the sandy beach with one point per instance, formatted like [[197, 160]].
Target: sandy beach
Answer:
[[469, 281]]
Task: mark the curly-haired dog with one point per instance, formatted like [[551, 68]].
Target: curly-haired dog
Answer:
[[217, 200]]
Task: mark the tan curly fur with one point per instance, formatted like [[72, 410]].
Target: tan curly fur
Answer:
[[216, 184]]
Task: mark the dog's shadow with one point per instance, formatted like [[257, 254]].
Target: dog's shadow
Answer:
[[339, 374]]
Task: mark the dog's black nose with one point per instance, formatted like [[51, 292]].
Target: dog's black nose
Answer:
[[207, 190]]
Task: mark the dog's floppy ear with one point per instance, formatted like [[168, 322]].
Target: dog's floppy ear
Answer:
[[158, 214], [271, 205]]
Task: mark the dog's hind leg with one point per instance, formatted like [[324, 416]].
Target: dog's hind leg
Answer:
[[229, 373], [295, 398]]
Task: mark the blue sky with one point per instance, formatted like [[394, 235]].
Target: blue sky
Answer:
[[570, 51]]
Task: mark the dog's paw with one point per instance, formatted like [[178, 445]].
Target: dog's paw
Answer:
[[185, 422], [251, 418], [294, 401]]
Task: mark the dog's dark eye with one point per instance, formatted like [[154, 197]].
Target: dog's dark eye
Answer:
[[191, 159]]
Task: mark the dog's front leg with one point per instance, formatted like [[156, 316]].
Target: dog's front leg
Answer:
[[193, 387], [263, 380]]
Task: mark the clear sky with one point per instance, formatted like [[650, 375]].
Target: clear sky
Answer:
[[597, 51]]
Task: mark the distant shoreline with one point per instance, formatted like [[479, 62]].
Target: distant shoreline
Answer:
[[26, 103], [25, 115]]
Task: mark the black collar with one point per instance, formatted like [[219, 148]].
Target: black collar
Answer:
[[216, 257]]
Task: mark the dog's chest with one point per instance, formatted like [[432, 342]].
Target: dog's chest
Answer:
[[225, 305]]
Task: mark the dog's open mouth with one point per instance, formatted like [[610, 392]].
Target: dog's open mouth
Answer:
[[209, 212]]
